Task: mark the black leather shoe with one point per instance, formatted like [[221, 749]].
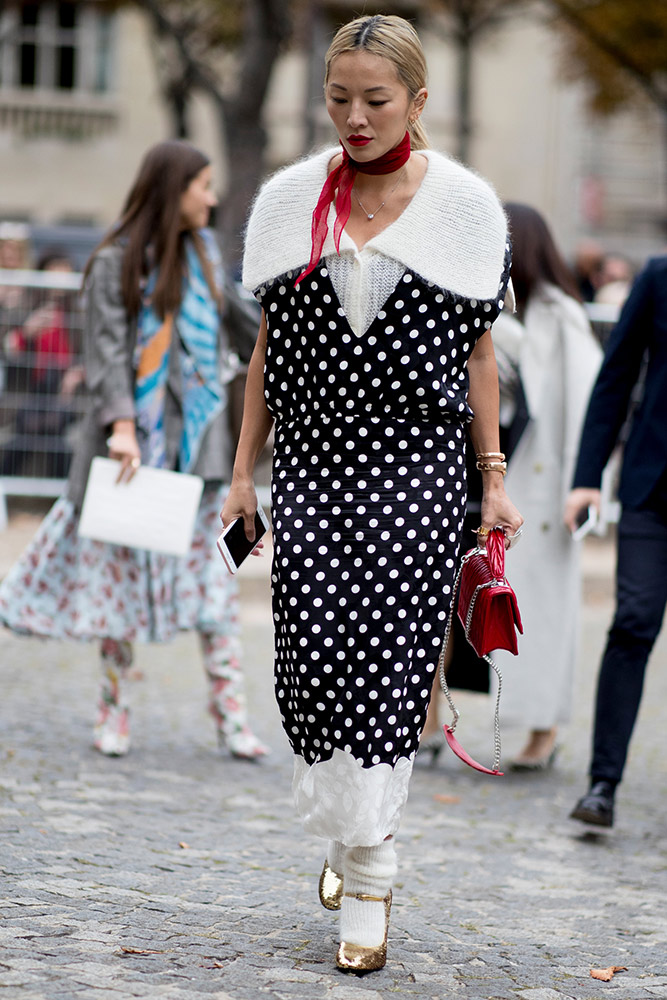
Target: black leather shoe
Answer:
[[597, 806]]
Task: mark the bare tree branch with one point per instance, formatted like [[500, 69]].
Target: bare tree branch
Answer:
[[264, 26], [467, 21], [200, 76]]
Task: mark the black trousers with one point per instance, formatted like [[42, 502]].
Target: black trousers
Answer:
[[641, 595]]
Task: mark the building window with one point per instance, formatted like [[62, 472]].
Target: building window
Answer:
[[59, 47]]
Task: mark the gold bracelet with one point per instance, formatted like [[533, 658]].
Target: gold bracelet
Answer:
[[500, 467], [490, 455], [492, 467]]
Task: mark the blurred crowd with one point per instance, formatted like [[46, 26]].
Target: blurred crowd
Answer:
[[40, 367], [603, 277]]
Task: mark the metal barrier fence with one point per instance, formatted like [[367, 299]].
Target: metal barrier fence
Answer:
[[41, 380]]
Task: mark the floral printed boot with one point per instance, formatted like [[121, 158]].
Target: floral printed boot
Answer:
[[227, 702], [111, 735]]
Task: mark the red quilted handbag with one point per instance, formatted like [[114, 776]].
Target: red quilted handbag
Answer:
[[489, 613], [488, 609]]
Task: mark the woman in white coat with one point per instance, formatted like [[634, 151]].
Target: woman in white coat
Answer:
[[557, 358]]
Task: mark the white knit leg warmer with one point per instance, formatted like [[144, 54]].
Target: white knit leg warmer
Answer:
[[336, 856], [368, 870]]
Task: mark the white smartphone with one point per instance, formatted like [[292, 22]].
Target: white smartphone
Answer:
[[586, 522], [234, 546]]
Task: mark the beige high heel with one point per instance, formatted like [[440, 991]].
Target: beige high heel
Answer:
[[547, 751], [330, 888], [360, 958]]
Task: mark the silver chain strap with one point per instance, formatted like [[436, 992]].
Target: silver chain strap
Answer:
[[494, 666]]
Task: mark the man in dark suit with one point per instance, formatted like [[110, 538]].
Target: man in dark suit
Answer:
[[641, 571]]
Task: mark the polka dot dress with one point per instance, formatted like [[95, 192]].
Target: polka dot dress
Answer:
[[368, 496]]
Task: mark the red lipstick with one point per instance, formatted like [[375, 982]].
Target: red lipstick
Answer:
[[358, 140]]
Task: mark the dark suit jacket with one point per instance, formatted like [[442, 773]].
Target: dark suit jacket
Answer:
[[641, 328]]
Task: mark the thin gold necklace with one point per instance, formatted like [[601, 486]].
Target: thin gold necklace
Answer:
[[371, 215]]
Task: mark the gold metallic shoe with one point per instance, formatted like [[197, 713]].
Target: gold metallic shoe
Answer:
[[330, 888], [357, 957]]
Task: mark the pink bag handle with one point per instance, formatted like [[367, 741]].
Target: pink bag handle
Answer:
[[495, 550], [464, 755]]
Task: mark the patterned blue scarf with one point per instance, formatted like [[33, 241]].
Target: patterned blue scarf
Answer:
[[197, 323]]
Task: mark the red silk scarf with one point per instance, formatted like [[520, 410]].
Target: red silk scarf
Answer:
[[338, 186]]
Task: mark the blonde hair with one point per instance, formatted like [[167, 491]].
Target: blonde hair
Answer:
[[393, 38]]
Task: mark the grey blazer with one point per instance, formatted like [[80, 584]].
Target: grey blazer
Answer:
[[109, 342]]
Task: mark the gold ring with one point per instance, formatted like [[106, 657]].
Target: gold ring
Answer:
[[482, 531], [135, 463]]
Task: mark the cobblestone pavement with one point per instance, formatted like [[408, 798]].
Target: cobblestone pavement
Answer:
[[179, 873]]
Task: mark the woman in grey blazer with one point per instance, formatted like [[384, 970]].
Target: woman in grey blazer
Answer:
[[153, 349]]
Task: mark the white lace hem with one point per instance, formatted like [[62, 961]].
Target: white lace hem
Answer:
[[338, 799]]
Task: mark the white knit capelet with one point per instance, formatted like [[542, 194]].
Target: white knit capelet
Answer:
[[453, 233]]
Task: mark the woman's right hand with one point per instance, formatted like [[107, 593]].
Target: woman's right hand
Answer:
[[241, 502], [124, 448]]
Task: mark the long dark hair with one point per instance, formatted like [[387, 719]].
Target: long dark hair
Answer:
[[536, 259], [151, 218]]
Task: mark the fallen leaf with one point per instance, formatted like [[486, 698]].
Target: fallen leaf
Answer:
[[139, 951], [606, 975], [214, 965], [182, 844], [449, 800]]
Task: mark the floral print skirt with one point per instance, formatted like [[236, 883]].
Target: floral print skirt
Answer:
[[67, 587]]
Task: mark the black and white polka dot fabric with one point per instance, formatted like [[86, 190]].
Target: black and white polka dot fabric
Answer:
[[368, 496]]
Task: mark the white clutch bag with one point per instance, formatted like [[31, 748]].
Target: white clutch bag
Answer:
[[156, 510]]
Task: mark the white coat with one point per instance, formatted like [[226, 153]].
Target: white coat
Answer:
[[558, 360]]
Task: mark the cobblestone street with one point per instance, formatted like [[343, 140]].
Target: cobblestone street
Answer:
[[179, 873]]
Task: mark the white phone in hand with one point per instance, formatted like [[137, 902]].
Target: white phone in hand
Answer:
[[233, 545]]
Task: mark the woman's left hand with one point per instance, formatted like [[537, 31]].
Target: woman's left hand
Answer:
[[498, 511]]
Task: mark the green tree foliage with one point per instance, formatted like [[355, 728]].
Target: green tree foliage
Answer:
[[616, 48]]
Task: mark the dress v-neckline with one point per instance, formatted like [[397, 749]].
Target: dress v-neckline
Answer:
[[357, 336]]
